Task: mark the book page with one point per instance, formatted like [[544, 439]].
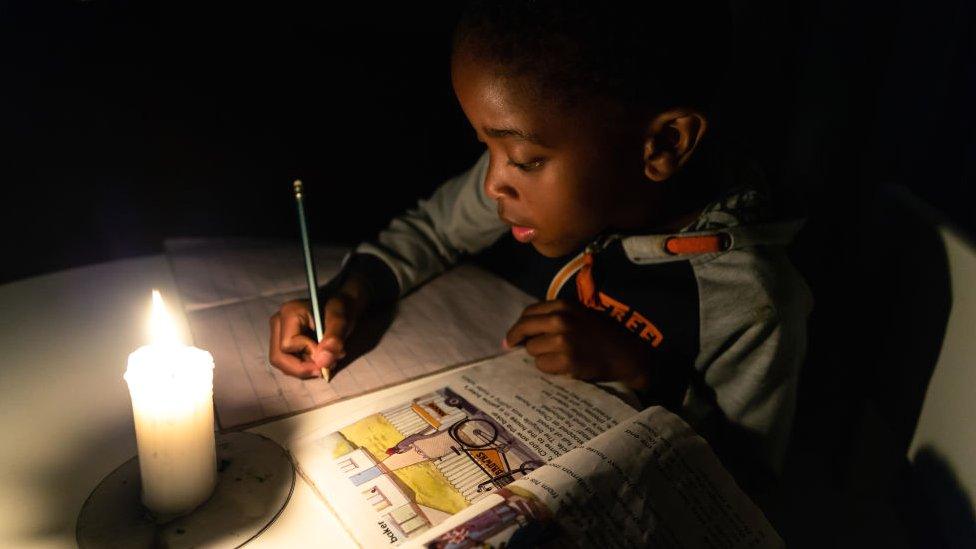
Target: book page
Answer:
[[648, 482], [403, 468], [230, 289]]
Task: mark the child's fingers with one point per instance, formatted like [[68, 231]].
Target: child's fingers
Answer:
[[547, 307], [545, 343], [293, 339], [562, 363], [323, 358], [553, 363], [534, 325], [337, 327], [288, 363], [294, 366]]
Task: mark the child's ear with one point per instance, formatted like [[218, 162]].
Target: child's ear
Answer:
[[671, 137]]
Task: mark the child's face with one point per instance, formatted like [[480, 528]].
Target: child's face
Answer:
[[560, 177]]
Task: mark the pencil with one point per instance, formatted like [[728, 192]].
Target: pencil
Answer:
[[309, 267]]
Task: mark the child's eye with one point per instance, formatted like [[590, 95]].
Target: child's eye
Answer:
[[527, 166]]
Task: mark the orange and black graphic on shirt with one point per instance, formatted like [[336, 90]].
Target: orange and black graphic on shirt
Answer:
[[631, 319], [582, 267], [621, 312]]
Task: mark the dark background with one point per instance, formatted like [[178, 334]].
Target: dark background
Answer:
[[128, 122], [134, 121]]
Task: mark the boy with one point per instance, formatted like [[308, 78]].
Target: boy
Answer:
[[657, 269]]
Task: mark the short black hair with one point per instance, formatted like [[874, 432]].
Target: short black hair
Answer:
[[649, 54]]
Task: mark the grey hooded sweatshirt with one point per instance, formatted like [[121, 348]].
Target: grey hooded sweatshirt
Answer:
[[730, 323]]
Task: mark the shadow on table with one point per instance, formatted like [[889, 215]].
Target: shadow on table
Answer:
[[61, 490], [56, 487], [367, 334]]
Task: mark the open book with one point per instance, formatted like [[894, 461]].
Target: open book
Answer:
[[501, 455], [495, 454]]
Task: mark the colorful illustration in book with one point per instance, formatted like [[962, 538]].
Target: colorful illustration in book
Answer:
[[421, 462], [520, 520]]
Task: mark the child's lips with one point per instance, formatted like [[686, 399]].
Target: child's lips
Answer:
[[523, 234]]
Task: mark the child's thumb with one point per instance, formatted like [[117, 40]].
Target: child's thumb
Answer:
[[334, 334]]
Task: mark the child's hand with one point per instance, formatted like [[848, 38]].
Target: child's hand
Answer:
[[293, 349], [566, 338]]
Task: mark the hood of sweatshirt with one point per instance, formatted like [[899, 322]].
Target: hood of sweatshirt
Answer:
[[739, 219]]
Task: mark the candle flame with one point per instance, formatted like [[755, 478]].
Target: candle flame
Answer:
[[162, 330]]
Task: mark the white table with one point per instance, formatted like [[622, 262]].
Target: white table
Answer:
[[66, 417]]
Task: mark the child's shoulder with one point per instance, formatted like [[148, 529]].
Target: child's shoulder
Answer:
[[752, 278]]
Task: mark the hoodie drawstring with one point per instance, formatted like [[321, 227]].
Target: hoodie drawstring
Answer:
[[586, 285]]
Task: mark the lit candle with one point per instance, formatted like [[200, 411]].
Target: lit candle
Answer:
[[171, 385]]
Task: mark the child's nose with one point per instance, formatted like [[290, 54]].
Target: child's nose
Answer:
[[496, 187]]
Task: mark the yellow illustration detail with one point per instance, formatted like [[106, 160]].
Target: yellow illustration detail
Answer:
[[431, 488], [342, 448], [375, 434]]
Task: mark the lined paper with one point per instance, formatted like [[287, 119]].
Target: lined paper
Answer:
[[230, 288]]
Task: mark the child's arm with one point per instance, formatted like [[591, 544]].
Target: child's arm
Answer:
[[457, 219], [753, 342]]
